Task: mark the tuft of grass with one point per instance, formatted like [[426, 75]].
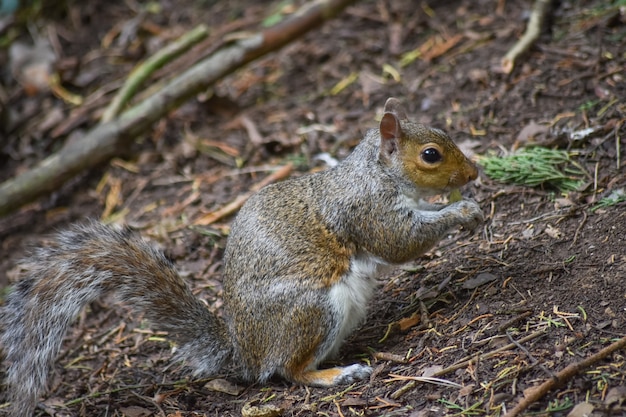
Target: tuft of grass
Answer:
[[617, 196], [536, 167]]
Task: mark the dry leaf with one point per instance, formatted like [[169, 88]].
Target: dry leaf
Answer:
[[354, 402], [222, 385], [135, 411], [408, 322], [32, 65], [616, 396], [431, 370], [466, 390], [553, 232], [530, 132], [265, 410], [581, 410], [479, 280]]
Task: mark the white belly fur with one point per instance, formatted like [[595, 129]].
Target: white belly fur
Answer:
[[351, 295]]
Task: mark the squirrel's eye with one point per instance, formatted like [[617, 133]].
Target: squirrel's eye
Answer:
[[431, 155]]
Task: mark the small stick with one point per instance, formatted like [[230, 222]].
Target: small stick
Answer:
[[488, 355], [533, 30], [536, 393], [509, 323], [529, 355], [236, 204], [463, 363], [618, 162], [580, 226]]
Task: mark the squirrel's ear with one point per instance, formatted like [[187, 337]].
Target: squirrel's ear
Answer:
[[390, 132], [393, 105]]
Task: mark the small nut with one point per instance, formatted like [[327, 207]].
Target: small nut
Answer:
[[455, 195]]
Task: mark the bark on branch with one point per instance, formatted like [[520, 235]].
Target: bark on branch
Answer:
[[107, 139], [533, 30], [536, 393]]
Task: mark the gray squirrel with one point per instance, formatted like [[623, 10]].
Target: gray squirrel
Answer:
[[300, 266]]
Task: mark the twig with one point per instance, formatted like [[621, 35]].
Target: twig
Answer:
[[533, 30], [511, 322], [536, 393], [391, 357], [109, 139], [618, 161], [234, 205], [98, 394], [425, 379], [529, 355], [578, 229], [466, 361], [142, 72]]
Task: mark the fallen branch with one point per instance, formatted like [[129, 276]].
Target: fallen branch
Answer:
[[534, 394], [142, 72], [533, 30], [108, 139]]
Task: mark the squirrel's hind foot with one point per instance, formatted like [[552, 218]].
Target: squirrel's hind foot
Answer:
[[333, 376]]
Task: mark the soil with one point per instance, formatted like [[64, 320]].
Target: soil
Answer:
[[542, 280]]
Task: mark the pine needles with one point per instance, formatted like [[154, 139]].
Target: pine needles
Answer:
[[536, 167]]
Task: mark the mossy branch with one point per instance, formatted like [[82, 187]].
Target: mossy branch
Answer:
[[142, 72]]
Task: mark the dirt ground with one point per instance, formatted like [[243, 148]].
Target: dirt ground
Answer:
[[539, 287]]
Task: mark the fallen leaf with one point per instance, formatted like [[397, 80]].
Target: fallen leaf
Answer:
[[135, 411], [479, 280], [408, 322], [222, 385], [265, 410], [581, 410], [466, 390], [529, 232], [479, 76], [616, 396], [354, 402], [553, 232], [431, 370], [530, 132], [424, 293], [32, 65]]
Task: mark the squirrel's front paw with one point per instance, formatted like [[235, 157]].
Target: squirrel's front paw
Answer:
[[470, 213]]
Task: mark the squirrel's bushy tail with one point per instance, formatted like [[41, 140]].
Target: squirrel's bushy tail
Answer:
[[79, 266]]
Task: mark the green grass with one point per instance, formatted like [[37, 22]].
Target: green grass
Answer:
[[614, 198], [536, 167]]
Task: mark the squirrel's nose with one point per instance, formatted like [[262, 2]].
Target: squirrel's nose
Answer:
[[472, 171]]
